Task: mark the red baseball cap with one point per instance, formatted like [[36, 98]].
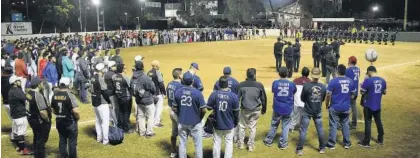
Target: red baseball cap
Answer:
[[353, 59]]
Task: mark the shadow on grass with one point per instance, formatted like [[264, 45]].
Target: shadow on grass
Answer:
[[6, 130], [90, 131]]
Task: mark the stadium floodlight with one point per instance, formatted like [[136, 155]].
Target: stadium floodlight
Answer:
[[125, 13], [96, 2], [375, 8]]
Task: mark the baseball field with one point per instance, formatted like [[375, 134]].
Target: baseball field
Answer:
[[399, 65]]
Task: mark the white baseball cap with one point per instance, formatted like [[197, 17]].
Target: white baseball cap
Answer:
[[111, 63], [14, 78], [65, 81], [100, 66], [138, 58]]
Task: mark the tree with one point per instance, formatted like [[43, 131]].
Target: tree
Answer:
[[238, 11], [55, 11], [197, 12], [318, 8]]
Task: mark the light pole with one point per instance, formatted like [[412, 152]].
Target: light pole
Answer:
[[405, 15], [86, 8], [27, 9], [138, 22], [80, 17], [96, 3], [126, 18]]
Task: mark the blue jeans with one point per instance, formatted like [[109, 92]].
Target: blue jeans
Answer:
[[341, 118], [275, 121], [304, 129], [82, 91], [196, 132]]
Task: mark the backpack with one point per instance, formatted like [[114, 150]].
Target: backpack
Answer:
[[116, 135], [208, 126]]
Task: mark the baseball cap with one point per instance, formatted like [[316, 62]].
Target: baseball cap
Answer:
[[138, 58], [353, 59], [100, 66], [14, 78], [371, 68], [195, 65], [251, 72], [188, 77], [139, 65], [227, 70], [316, 73], [65, 81], [111, 63], [35, 81]]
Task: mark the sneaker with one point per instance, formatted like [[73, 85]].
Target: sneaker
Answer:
[[380, 143], [150, 135], [142, 134], [207, 135], [267, 144], [299, 152], [322, 151], [158, 125], [26, 151], [173, 155], [251, 148], [283, 147], [363, 145], [241, 146], [330, 147], [346, 146]]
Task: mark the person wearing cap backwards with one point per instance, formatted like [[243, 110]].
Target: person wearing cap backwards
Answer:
[[190, 107], [50, 78], [82, 76], [340, 91], [197, 81], [172, 87], [298, 104], [143, 89], [313, 94], [225, 106], [283, 100], [253, 103], [66, 112], [373, 88], [157, 79], [68, 68], [232, 82], [353, 72], [124, 99], [39, 117], [17, 101], [108, 75], [288, 58], [296, 55], [100, 102]]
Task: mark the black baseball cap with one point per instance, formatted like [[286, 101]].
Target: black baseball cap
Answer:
[[371, 68]]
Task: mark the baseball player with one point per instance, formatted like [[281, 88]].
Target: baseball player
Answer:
[[375, 87], [340, 91], [157, 79], [17, 101], [313, 94], [39, 117], [110, 89], [66, 110], [197, 81], [225, 105], [190, 106], [253, 102], [353, 72], [283, 101], [100, 102], [124, 99], [172, 87], [232, 82], [278, 52], [288, 58]]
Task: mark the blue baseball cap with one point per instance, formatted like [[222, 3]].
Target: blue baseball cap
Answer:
[[195, 65], [188, 77], [227, 70]]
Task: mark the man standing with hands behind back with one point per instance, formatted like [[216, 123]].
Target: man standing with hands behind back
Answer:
[[278, 53]]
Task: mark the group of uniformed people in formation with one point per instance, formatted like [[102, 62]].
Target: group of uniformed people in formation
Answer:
[[380, 36], [235, 106]]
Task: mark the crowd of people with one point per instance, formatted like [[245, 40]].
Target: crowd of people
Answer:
[[53, 68]]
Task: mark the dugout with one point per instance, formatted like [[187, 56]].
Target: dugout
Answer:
[[326, 23]]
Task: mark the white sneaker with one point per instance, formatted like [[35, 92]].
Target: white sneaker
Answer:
[[173, 155]]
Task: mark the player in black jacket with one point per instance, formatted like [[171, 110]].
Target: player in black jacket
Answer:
[[124, 99]]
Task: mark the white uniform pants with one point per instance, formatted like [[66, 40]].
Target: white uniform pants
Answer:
[[102, 123], [158, 109]]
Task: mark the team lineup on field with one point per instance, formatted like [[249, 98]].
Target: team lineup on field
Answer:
[[235, 106]]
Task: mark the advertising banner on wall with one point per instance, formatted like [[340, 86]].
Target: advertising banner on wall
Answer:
[[16, 28]]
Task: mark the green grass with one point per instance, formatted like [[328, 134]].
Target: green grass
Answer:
[[400, 113]]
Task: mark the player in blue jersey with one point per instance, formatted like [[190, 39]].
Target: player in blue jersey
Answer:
[[225, 105], [283, 101], [340, 91], [190, 106], [172, 87], [197, 81], [373, 88], [353, 72], [232, 82]]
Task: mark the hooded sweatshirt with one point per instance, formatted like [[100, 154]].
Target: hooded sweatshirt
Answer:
[[142, 88]]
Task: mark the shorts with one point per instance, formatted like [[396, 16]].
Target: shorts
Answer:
[[20, 126]]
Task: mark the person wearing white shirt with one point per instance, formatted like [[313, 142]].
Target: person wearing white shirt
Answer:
[[298, 104]]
